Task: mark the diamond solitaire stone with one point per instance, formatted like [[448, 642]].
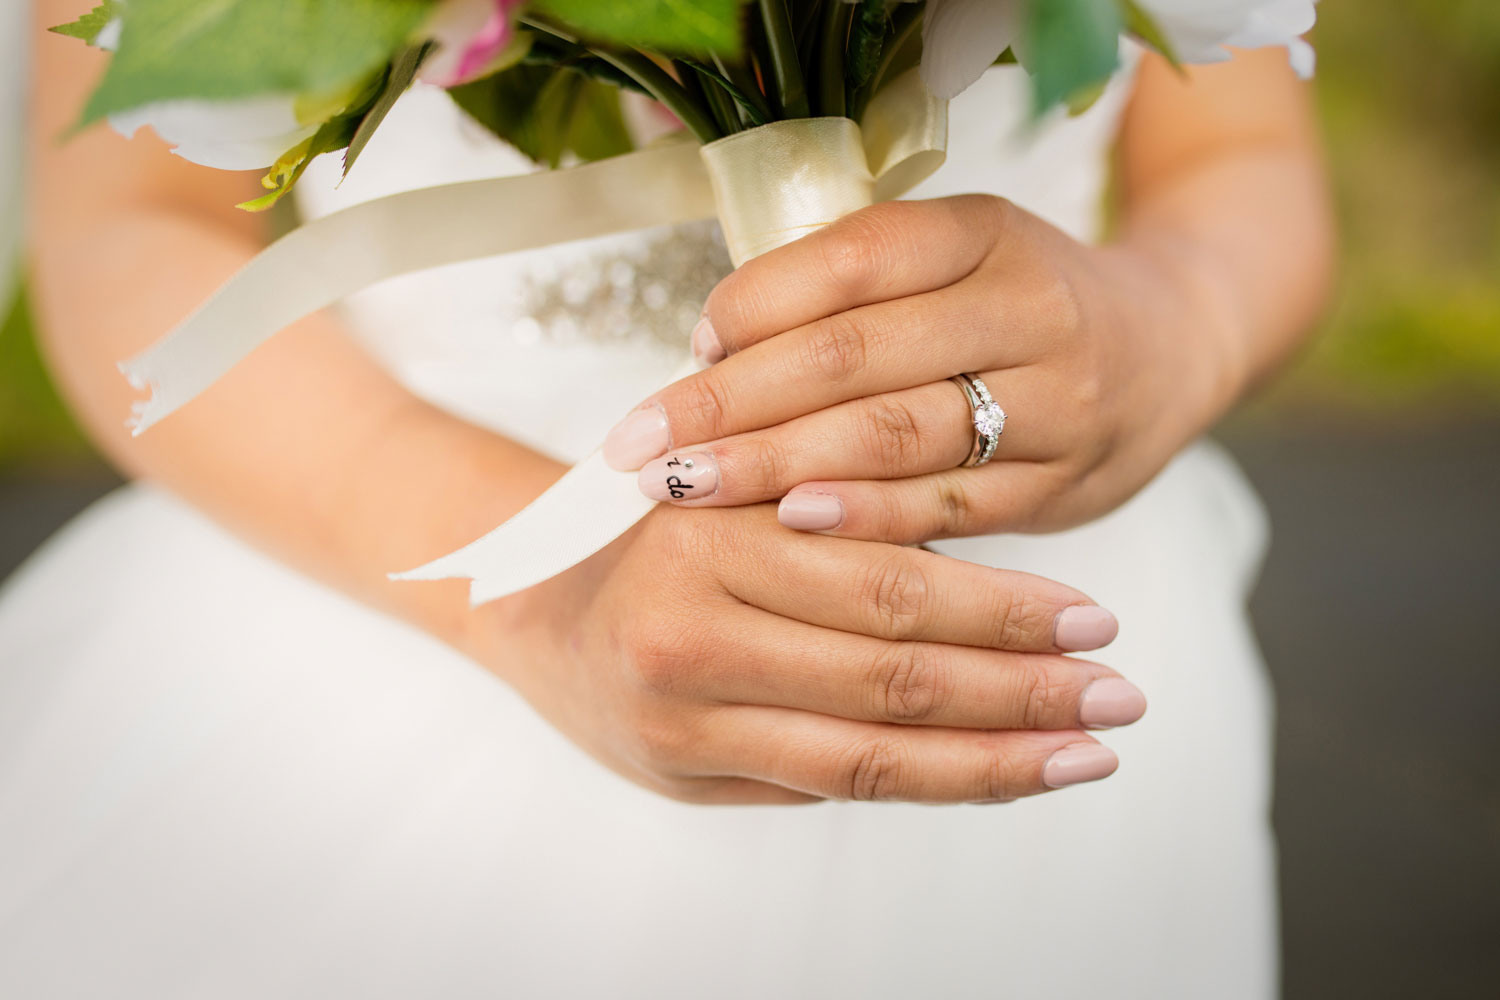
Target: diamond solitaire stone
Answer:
[[989, 420]]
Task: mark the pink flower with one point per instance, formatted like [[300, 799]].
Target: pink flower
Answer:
[[473, 36]]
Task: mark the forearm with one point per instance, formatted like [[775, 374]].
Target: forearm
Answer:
[[307, 448], [1233, 218]]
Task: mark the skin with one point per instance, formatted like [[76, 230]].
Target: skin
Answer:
[[1108, 359], [908, 676]]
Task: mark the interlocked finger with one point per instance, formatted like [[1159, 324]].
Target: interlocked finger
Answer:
[[839, 759]]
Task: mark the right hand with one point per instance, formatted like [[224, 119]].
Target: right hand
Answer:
[[713, 656]]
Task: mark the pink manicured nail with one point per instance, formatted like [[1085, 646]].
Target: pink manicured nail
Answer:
[[692, 475], [1080, 762], [638, 439], [706, 346], [1111, 701], [810, 511], [1084, 626]]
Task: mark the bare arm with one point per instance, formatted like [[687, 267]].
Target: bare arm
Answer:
[[1224, 184], [307, 448]]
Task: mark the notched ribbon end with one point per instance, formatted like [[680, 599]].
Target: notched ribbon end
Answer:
[[480, 592], [448, 567], [143, 412]]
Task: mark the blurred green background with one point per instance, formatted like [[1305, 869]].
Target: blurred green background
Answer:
[[1378, 456]]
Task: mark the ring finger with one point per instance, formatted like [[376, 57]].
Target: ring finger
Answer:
[[894, 435], [927, 683]]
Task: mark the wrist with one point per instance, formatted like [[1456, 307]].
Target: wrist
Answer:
[[429, 483], [1185, 318]]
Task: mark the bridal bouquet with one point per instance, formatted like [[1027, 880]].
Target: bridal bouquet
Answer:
[[802, 110], [247, 84]]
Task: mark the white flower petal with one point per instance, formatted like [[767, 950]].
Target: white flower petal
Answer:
[[1304, 60], [1199, 30], [109, 35], [246, 134], [962, 38]]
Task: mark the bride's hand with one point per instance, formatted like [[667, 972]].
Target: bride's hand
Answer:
[[835, 395], [715, 658]]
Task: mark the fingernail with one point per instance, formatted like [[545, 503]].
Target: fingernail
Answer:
[[1080, 762], [637, 439], [1084, 626], [690, 476], [810, 511], [706, 346], [1111, 701]]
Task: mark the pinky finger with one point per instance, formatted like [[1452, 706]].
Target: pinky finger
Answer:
[[950, 504], [839, 759]]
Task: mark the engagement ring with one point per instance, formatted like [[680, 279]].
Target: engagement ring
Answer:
[[989, 419]]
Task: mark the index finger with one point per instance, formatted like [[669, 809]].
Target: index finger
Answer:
[[886, 251]]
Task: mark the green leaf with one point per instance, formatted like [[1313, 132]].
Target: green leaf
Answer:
[[1081, 100], [755, 111], [402, 71], [548, 111], [597, 129], [1072, 45], [226, 49], [88, 26], [334, 134], [691, 27], [1143, 26], [866, 38]]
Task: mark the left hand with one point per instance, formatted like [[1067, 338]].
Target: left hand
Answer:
[[830, 359]]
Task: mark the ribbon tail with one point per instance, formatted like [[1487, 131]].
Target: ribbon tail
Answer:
[[329, 258], [581, 513], [585, 510]]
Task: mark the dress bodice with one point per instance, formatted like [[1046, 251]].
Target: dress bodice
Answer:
[[550, 346]]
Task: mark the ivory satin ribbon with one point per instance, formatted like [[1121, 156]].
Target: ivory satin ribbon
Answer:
[[768, 186]]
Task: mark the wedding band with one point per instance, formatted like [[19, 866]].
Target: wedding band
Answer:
[[989, 419]]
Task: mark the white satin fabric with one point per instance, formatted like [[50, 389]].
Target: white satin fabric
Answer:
[[240, 784]]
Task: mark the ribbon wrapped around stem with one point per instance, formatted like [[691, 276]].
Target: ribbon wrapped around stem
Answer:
[[768, 186]]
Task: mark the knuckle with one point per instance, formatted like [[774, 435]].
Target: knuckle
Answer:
[[1058, 300], [997, 208], [998, 776], [761, 466], [661, 746], [955, 506], [874, 772], [898, 591], [911, 685], [893, 436], [662, 657], [706, 399], [836, 349], [863, 248], [739, 302], [1018, 618], [1040, 696]]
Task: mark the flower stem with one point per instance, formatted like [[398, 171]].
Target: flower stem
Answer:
[[741, 76], [791, 91], [660, 85], [904, 22], [656, 81], [831, 42]]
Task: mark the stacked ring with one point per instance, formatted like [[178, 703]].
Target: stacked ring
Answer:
[[989, 419]]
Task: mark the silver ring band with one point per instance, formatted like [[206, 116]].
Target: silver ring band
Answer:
[[989, 419]]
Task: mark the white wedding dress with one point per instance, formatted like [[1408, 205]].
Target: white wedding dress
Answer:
[[219, 779]]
